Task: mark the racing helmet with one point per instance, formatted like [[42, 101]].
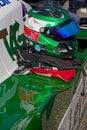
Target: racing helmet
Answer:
[[52, 29]]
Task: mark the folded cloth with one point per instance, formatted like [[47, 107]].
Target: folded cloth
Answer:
[[66, 75]]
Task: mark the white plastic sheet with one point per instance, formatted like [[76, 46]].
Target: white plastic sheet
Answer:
[[10, 12]]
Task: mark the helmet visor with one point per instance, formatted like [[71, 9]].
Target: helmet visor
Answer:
[[64, 31]]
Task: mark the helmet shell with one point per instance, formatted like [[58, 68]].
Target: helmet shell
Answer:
[[53, 30]]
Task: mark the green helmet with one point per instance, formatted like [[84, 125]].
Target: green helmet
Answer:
[[51, 29]]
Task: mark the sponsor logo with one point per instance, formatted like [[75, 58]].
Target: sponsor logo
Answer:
[[12, 40], [26, 95], [4, 3]]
